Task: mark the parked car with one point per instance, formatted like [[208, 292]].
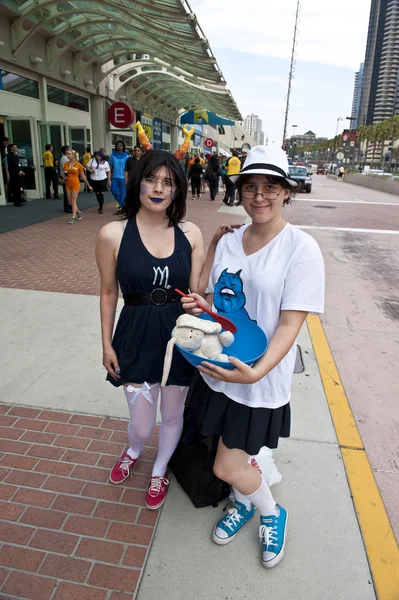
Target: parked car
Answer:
[[301, 175], [320, 170]]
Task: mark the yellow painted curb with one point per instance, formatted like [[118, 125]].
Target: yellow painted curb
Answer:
[[379, 539], [345, 426]]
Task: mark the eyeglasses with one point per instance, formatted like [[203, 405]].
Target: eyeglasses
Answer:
[[167, 184], [251, 194]]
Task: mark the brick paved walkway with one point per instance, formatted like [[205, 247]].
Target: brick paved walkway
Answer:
[[54, 256], [67, 533]]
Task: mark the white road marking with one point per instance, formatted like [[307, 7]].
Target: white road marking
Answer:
[[346, 201], [359, 199], [321, 184], [349, 229], [334, 190]]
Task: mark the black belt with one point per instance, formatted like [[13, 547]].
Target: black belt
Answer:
[[158, 297]]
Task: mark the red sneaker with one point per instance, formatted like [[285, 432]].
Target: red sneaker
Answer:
[[156, 493], [122, 469]]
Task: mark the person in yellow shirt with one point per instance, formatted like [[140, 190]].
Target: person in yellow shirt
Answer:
[[86, 158], [50, 172], [233, 167]]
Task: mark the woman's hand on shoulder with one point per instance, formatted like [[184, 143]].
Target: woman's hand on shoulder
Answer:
[[221, 231], [191, 307]]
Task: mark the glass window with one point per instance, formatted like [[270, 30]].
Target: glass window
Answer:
[[165, 128], [126, 139], [77, 136], [64, 98], [20, 134], [11, 82]]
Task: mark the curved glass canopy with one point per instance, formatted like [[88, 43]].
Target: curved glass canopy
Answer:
[[152, 45]]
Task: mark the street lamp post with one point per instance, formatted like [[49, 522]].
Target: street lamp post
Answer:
[[335, 143], [293, 141]]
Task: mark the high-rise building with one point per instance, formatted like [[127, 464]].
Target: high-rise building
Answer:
[[357, 95], [253, 125], [379, 98]]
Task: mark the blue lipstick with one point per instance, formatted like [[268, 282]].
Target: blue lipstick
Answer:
[[157, 200]]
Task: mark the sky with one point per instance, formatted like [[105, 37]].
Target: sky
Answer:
[[252, 42]]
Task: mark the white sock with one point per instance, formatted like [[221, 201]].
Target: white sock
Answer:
[[264, 501], [242, 499], [132, 453]]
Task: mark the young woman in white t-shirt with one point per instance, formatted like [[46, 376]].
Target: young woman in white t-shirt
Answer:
[[100, 177], [273, 273]]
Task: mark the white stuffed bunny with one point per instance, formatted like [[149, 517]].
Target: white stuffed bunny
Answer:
[[200, 337]]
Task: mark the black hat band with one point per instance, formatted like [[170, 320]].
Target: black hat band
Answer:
[[263, 167]]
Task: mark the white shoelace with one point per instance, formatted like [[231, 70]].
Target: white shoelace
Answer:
[[232, 519], [156, 484], [125, 465], [268, 535]]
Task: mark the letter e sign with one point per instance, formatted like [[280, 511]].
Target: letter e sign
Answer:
[[120, 115]]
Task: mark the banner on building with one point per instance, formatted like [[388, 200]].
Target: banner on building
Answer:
[[203, 117], [147, 121], [197, 141], [157, 134]]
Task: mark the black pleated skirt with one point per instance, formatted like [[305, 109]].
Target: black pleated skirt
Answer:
[[99, 186], [239, 426]]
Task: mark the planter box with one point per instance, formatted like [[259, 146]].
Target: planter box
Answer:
[[380, 184]]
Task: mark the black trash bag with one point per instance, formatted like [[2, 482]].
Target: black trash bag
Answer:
[[192, 464]]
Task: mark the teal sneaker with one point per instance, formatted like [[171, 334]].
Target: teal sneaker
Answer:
[[272, 535], [227, 528]]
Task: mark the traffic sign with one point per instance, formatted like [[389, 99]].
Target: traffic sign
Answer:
[[120, 115], [340, 155], [209, 143]]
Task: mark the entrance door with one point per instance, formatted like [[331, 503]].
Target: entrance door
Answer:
[[2, 170], [54, 134], [79, 139], [22, 133]]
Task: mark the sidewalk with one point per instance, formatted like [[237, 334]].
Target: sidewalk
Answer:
[[38, 211], [325, 557], [55, 469]]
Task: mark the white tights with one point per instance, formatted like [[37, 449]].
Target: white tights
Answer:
[[142, 404]]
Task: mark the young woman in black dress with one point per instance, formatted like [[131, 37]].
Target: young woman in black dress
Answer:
[[148, 253]]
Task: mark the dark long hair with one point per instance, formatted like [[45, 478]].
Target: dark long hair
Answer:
[[214, 163], [146, 166]]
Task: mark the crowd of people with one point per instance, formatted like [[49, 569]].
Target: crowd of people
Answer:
[[101, 172], [211, 170]]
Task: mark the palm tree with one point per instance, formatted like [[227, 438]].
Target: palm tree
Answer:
[[384, 130]]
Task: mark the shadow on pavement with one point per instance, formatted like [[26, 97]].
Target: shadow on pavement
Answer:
[[37, 211]]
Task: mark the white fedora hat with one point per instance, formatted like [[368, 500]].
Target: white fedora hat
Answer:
[[266, 160]]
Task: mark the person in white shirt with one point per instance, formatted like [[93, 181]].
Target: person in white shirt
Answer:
[[100, 177], [271, 272]]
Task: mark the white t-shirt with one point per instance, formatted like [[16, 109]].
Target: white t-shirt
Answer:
[[101, 169], [64, 159], [286, 274]]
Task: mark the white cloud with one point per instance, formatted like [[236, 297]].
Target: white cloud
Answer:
[[329, 32]]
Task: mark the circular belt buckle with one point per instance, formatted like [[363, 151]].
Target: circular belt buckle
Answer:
[[165, 297]]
